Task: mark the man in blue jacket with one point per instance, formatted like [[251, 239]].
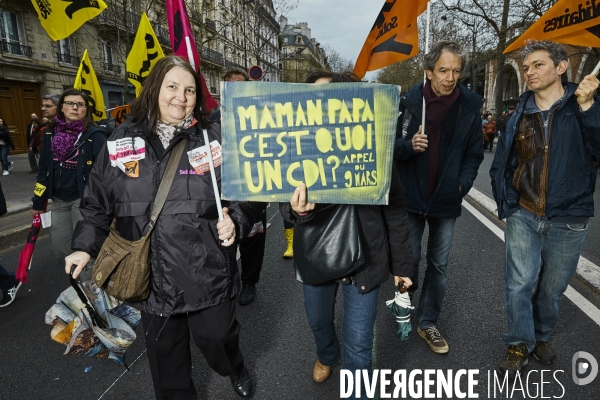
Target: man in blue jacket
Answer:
[[543, 179], [437, 169]]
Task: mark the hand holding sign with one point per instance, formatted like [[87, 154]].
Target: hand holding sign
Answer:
[[299, 203]]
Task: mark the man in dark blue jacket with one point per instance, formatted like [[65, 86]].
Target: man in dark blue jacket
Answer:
[[543, 179], [437, 169]]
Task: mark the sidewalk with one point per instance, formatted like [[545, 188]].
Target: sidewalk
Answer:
[[18, 190]]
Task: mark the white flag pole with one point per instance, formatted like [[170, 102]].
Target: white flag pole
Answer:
[[188, 45], [425, 72], [211, 165], [595, 71]]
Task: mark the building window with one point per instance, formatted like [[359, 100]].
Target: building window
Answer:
[[114, 99], [299, 39], [67, 51], [111, 58], [11, 34]]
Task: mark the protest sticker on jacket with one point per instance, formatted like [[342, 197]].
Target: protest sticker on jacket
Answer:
[[337, 138], [199, 157], [125, 154]]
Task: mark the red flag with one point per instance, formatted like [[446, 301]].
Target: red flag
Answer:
[[184, 45], [26, 254], [394, 37]]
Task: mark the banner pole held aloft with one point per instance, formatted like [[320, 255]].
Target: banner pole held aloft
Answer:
[[425, 72]]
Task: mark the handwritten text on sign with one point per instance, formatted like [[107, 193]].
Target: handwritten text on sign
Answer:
[[332, 137]]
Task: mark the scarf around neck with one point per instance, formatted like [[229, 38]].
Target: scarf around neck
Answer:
[[65, 136], [166, 132], [437, 107]]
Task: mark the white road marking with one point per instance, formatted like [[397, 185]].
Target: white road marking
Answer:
[[584, 305]]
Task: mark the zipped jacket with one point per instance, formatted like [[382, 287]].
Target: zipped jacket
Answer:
[[190, 269], [458, 169], [90, 143], [553, 177]]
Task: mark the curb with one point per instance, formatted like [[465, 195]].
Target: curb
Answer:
[[586, 270], [17, 236]]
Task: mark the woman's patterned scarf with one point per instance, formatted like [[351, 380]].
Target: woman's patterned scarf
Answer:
[[65, 136], [167, 132]]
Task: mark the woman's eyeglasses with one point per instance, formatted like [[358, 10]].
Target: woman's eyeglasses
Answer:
[[73, 104]]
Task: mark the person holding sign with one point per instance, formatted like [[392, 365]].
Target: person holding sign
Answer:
[[384, 235], [193, 267], [437, 166], [543, 179], [252, 248], [70, 147]]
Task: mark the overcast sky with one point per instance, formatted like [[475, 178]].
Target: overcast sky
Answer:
[[343, 24]]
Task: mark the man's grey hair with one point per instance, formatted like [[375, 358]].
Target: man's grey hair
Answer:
[[435, 53], [53, 97], [556, 52]]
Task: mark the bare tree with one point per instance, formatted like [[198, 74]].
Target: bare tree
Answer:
[[337, 63]]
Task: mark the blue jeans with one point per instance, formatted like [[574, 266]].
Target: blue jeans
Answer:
[[438, 249], [357, 329], [541, 259], [7, 280], [4, 150]]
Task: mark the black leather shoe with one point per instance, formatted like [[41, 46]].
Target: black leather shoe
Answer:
[[247, 294], [242, 385]]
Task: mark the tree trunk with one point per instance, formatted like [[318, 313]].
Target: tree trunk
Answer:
[[500, 57]]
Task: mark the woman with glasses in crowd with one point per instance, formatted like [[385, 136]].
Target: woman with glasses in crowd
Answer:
[[69, 149]]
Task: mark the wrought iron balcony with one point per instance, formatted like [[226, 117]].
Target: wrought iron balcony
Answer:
[[68, 59], [16, 48], [119, 18], [112, 68], [162, 33], [212, 56], [231, 64]]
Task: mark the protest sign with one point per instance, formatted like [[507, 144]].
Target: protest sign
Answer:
[[337, 138]]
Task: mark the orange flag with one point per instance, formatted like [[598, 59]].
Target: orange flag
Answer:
[[573, 22], [394, 37]]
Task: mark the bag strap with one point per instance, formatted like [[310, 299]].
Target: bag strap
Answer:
[[166, 181]]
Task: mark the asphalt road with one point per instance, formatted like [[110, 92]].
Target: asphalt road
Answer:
[[278, 345]]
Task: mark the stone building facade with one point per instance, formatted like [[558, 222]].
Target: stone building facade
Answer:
[[228, 33], [301, 53]]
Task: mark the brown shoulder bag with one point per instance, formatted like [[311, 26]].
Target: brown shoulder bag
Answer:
[[122, 268]]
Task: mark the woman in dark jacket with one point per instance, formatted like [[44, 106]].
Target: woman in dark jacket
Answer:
[[384, 231], [194, 276], [69, 149], [6, 144]]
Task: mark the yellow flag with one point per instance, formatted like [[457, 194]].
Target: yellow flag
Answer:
[[145, 52], [87, 82], [568, 21], [60, 18]]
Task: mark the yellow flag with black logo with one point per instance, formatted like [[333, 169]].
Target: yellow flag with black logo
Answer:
[[87, 82], [60, 18], [145, 52]]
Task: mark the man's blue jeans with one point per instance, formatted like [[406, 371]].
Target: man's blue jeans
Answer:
[[357, 329], [438, 249], [4, 150], [541, 259]]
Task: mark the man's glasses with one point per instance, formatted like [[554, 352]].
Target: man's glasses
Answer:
[[73, 104], [47, 106]]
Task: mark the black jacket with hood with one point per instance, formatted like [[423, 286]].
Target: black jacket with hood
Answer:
[[190, 269], [459, 168]]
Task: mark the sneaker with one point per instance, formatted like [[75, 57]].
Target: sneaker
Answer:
[[10, 295], [517, 358], [544, 353], [247, 294], [5, 172], [10, 166], [433, 338]]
